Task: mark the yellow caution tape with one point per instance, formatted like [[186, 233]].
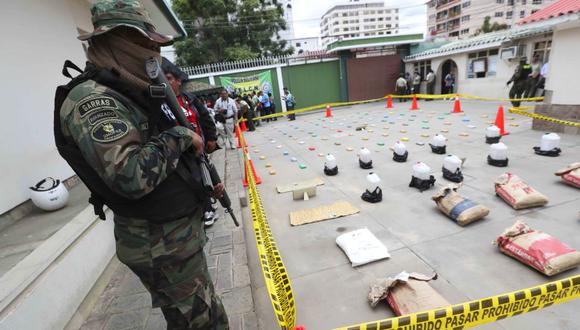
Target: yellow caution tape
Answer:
[[419, 96], [523, 111], [482, 311], [275, 275]]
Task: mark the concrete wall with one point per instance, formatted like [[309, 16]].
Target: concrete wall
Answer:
[[39, 36], [325, 76], [563, 67]]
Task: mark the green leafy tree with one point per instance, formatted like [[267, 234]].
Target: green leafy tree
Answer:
[[229, 30], [488, 27]]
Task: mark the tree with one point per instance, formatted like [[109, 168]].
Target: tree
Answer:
[[487, 27], [229, 30]]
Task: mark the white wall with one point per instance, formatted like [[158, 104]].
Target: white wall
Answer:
[[38, 37], [564, 67]]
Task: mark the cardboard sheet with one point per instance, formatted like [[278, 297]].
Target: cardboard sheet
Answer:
[[324, 212], [298, 185]]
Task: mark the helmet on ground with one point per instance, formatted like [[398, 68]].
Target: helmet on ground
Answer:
[[49, 194]]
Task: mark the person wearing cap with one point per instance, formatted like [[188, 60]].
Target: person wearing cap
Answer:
[[126, 146]]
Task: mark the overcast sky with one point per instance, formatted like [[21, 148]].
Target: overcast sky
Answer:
[[307, 15]]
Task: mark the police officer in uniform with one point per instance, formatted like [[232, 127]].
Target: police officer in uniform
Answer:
[[125, 145], [519, 79]]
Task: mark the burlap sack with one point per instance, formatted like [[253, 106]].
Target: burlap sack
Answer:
[[464, 211], [537, 249], [571, 174], [517, 193], [407, 293]]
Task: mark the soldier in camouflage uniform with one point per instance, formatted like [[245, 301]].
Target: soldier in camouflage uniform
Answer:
[[130, 153]]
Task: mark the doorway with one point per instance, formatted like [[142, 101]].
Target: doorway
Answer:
[[449, 66]]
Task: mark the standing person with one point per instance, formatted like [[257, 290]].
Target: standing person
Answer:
[[265, 101], [272, 106], [197, 114], [226, 107], [430, 83], [401, 87], [255, 101], [542, 81], [449, 83], [409, 80], [416, 83], [519, 80], [131, 154], [534, 76], [290, 103]]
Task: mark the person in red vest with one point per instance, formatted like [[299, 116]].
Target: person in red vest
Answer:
[[197, 114]]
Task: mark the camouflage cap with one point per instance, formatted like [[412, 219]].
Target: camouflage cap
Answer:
[[110, 14]]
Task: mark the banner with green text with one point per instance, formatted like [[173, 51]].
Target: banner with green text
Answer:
[[247, 84]]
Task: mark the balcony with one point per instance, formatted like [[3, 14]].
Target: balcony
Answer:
[[446, 3]]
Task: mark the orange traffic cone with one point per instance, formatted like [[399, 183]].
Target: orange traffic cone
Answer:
[[238, 135], [243, 126], [457, 106], [389, 102], [252, 171], [414, 105], [499, 121], [328, 112]]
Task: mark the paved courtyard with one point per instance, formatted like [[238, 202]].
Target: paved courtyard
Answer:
[[328, 291]]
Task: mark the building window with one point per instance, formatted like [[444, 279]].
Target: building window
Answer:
[[466, 4], [381, 18], [422, 67], [372, 19], [465, 31], [388, 18], [499, 1], [509, 14], [510, 2], [465, 18], [482, 64], [379, 12], [345, 29], [542, 49], [499, 14], [524, 2], [522, 14], [298, 44], [536, 2], [381, 33]]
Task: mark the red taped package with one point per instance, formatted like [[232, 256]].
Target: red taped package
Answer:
[[407, 293], [571, 174], [517, 193], [537, 249]]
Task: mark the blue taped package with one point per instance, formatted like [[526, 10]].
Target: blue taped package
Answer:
[[462, 210]]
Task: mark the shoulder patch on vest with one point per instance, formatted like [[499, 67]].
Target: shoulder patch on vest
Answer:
[[109, 130], [96, 103], [99, 115]]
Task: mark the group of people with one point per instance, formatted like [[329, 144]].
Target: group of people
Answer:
[[407, 84], [228, 108], [527, 79]]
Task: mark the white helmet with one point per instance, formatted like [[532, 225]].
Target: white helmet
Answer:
[[49, 194]]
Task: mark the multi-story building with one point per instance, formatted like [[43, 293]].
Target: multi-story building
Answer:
[[463, 18], [305, 45], [287, 34], [358, 19]]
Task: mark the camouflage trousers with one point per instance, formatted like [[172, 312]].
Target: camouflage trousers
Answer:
[[169, 260]]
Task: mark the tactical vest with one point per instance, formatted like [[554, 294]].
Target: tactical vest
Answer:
[[180, 194]]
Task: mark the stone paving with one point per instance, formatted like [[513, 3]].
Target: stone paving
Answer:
[[125, 303]]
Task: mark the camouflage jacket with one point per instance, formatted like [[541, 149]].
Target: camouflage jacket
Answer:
[[114, 139]]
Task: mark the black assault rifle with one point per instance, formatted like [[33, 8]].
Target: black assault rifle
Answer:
[[209, 174]]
